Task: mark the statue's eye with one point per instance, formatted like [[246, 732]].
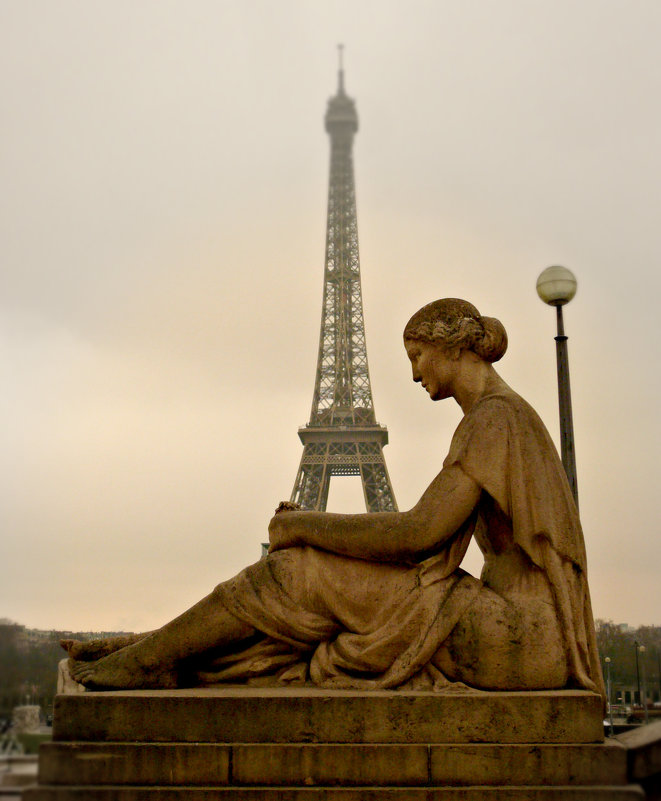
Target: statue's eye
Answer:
[[413, 354]]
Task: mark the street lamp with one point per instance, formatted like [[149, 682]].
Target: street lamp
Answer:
[[644, 696], [608, 691], [557, 286]]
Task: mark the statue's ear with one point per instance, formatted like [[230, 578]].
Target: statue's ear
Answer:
[[453, 353]]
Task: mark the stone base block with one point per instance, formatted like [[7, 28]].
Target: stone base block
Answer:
[[475, 793], [326, 765], [250, 744], [268, 715]]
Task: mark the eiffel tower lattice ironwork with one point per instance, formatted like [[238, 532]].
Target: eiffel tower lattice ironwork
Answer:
[[342, 437]]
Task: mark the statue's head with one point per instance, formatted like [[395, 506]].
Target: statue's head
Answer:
[[455, 323]]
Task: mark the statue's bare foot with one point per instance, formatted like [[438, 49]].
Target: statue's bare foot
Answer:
[[123, 671], [89, 650]]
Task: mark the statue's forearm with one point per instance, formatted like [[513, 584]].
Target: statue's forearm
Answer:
[[385, 536], [381, 536]]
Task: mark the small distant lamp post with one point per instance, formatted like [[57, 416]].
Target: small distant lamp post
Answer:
[[557, 286], [644, 683], [608, 692]]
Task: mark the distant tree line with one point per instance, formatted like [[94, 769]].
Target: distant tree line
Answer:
[[29, 658], [28, 665]]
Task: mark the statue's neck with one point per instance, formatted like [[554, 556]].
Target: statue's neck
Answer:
[[477, 380]]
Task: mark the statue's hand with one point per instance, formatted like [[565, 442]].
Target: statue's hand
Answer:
[[288, 506], [281, 535]]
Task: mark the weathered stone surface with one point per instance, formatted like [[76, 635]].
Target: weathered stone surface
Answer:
[[644, 750], [288, 715], [330, 764], [323, 765], [134, 763], [207, 764], [629, 793], [528, 764]]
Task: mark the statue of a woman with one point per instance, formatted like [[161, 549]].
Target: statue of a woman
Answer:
[[379, 600]]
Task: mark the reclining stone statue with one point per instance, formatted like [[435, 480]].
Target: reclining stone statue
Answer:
[[376, 601]]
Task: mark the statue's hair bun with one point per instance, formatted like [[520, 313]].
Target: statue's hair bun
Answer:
[[457, 323], [492, 345]]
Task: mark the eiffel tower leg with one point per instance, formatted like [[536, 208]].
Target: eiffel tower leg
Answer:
[[313, 478], [377, 488], [343, 457]]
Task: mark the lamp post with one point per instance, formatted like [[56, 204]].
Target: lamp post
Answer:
[[635, 642], [608, 691], [557, 286], [642, 670]]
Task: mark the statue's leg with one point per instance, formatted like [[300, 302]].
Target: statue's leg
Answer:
[[152, 661]]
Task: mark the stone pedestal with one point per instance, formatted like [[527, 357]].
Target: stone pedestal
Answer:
[[26, 719], [303, 744]]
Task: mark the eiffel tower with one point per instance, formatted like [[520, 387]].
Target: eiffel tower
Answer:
[[342, 437]]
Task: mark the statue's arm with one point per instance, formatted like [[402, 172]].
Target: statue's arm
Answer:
[[385, 536]]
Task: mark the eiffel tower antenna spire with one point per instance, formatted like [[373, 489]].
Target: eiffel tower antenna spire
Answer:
[[340, 72], [342, 437]]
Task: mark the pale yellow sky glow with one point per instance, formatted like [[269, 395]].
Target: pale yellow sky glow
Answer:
[[164, 172]]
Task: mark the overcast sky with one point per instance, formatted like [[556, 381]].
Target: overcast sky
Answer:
[[164, 172]]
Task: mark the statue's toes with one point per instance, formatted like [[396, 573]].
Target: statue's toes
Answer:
[[79, 671]]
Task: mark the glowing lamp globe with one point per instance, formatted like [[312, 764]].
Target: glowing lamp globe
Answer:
[[556, 286]]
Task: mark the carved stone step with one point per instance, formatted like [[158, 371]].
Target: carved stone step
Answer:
[[474, 793], [295, 715], [178, 764]]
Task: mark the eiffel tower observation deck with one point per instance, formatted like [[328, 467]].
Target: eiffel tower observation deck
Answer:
[[343, 437]]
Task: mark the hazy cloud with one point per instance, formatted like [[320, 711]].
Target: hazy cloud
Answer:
[[164, 168]]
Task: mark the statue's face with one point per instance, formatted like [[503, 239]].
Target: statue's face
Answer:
[[433, 367]]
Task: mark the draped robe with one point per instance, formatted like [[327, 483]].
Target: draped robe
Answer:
[[344, 622]]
